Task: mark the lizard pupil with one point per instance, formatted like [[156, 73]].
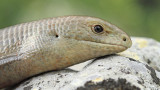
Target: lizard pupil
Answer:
[[98, 28]]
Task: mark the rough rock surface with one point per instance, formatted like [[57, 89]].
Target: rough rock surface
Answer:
[[145, 50], [135, 69]]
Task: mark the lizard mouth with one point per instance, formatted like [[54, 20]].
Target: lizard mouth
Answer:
[[107, 44], [114, 45], [117, 45]]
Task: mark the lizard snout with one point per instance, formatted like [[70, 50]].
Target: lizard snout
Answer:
[[126, 41]]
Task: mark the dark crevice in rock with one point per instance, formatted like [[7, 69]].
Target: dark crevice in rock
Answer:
[[109, 68], [148, 61], [153, 74], [109, 84], [125, 71], [28, 87], [131, 59], [140, 81], [25, 83]]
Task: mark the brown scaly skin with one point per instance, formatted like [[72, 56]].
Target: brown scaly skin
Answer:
[[50, 44]]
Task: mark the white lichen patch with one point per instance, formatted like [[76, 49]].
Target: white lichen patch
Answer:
[[129, 54], [141, 43]]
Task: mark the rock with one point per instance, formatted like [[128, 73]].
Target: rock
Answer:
[[135, 69], [48, 81], [111, 72], [145, 50]]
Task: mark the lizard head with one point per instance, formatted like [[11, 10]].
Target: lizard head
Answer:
[[97, 35], [103, 32]]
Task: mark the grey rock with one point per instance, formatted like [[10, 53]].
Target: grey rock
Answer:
[[145, 50], [48, 81], [111, 72], [114, 70], [135, 69]]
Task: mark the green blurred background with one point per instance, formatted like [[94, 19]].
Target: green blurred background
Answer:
[[136, 17]]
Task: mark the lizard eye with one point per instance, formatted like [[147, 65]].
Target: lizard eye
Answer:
[[98, 28]]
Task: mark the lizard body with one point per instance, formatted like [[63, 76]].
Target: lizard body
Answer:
[[51, 44]]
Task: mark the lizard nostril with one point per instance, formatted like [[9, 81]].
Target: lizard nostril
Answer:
[[124, 39]]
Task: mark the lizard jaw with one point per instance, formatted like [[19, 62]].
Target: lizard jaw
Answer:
[[106, 45]]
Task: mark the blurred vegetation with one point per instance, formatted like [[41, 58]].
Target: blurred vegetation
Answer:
[[136, 17]]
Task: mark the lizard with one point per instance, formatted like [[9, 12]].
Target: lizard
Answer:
[[35, 47]]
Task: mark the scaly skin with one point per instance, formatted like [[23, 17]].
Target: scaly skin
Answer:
[[51, 44]]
